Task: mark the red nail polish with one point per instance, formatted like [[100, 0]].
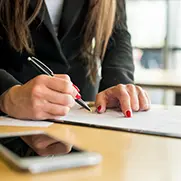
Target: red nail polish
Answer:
[[76, 88], [99, 108], [78, 96], [128, 114]]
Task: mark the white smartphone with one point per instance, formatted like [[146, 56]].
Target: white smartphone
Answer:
[[34, 163]]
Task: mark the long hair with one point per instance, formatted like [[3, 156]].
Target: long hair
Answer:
[[98, 27]]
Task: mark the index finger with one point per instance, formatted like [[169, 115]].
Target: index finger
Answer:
[[124, 100], [62, 85]]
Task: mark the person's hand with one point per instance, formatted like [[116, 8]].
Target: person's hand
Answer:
[[128, 97], [41, 98], [43, 145]]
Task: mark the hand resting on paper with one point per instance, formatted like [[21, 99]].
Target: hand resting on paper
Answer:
[[128, 97]]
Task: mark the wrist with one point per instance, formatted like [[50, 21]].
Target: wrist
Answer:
[[6, 99]]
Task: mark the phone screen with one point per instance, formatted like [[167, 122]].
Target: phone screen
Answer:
[[22, 147]]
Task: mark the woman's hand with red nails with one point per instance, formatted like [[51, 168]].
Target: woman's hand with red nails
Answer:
[[128, 97], [43, 97]]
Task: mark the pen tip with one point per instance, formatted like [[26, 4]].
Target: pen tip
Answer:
[[89, 109]]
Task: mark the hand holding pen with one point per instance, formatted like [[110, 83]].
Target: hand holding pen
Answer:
[[42, 68], [43, 97]]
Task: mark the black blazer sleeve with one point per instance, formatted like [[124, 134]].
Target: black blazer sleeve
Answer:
[[6, 54], [6, 81], [117, 66]]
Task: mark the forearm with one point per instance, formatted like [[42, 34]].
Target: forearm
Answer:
[[7, 81], [117, 66]]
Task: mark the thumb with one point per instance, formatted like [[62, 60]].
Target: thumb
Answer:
[[101, 102]]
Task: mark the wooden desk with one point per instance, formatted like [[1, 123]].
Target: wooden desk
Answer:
[[166, 79], [126, 157]]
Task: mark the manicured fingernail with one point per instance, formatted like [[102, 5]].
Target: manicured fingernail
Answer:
[[78, 96], [76, 88], [128, 114], [99, 109]]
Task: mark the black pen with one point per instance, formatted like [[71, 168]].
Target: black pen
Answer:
[[42, 68]]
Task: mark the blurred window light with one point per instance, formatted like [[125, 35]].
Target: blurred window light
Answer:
[[147, 22], [174, 23]]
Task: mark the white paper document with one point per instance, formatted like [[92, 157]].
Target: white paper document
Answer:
[[160, 120], [7, 121]]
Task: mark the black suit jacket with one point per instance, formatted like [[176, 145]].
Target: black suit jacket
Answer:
[[61, 53]]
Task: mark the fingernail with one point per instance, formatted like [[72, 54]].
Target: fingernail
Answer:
[[99, 109], [76, 88], [78, 96], [128, 114]]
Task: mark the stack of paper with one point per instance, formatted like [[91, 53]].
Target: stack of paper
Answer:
[[165, 121]]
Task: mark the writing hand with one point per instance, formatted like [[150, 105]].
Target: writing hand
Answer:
[[41, 98]]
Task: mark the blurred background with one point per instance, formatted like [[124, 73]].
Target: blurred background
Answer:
[[155, 27]]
